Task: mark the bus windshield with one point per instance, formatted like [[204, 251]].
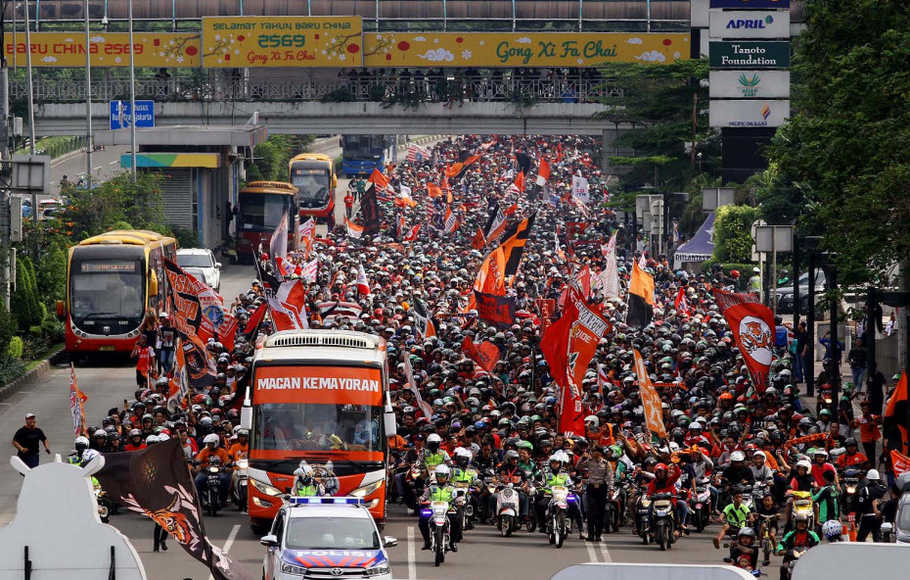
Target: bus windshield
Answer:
[[363, 146], [317, 408], [107, 289], [313, 185], [262, 211]]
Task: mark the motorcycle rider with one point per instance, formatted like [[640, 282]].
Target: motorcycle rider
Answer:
[[736, 515], [820, 466], [826, 500], [599, 478], [870, 493], [510, 471], [852, 456], [305, 484], [81, 445], [744, 553], [204, 458], [440, 490], [552, 475], [135, 441], [430, 457], [665, 482], [463, 472], [761, 473], [797, 540]]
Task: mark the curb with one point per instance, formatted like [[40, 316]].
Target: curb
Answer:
[[31, 377]]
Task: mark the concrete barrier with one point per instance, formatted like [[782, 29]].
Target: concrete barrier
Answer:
[[852, 561], [617, 571]]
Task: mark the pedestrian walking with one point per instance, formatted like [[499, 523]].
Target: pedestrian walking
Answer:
[[26, 441]]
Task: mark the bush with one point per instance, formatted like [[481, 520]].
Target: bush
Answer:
[[26, 306], [733, 233], [15, 347], [7, 328], [10, 370], [53, 330], [186, 238]]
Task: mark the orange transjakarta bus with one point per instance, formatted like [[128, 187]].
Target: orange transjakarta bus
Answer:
[[260, 207], [319, 396], [112, 281], [313, 174]]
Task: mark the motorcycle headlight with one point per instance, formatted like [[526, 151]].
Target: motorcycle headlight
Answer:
[[377, 570], [214, 470], [292, 569], [851, 489], [265, 488], [367, 489]]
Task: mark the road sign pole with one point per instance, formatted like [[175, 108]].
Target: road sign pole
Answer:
[[88, 102], [132, 98]]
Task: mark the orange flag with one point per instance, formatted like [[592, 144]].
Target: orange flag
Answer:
[[650, 400]]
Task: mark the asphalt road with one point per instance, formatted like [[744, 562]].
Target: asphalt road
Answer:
[[105, 165], [483, 554]]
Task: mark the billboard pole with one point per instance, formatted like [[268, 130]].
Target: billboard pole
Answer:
[[132, 98]]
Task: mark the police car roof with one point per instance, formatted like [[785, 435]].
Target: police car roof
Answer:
[[328, 510]]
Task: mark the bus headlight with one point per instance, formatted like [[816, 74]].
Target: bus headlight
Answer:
[[367, 489], [265, 488]]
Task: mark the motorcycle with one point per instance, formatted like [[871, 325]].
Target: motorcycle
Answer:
[[825, 398], [507, 509], [614, 508], [104, 504], [466, 500], [440, 533], [786, 569], [802, 504], [643, 516], [239, 483], [531, 522], [702, 504], [850, 490], [663, 520], [765, 541], [556, 515], [211, 489]]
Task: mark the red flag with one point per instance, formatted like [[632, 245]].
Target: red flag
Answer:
[[478, 242], [378, 179], [681, 304], [511, 209], [412, 235], [753, 330], [519, 184], [288, 306], [568, 346], [900, 463], [363, 285], [543, 172], [433, 190], [486, 354]]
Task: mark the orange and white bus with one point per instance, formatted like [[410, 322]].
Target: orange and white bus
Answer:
[[260, 207], [313, 174], [319, 396], [113, 281]]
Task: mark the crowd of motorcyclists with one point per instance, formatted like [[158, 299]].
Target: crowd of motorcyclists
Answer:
[[776, 476]]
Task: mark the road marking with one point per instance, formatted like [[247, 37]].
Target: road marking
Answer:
[[412, 555], [96, 168], [229, 542], [605, 553], [115, 162], [592, 554]]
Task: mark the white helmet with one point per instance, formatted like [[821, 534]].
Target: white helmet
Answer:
[[442, 469], [805, 463], [737, 456], [162, 437], [434, 438], [83, 440], [462, 452], [559, 456], [674, 447], [832, 529], [151, 439], [593, 420], [873, 475], [760, 454], [303, 470], [210, 438]]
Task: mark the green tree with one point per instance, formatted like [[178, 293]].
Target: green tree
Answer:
[[26, 303], [659, 101], [270, 159], [50, 274], [733, 233], [117, 202], [845, 153]]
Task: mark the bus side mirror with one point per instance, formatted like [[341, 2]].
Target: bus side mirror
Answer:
[[246, 417], [334, 181], [153, 283], [391, 425], [61, 310]]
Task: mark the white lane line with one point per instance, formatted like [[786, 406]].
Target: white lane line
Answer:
[[412, 555], [96, 168], [229, 542], [592, 554], [115, 162], [605, 553]]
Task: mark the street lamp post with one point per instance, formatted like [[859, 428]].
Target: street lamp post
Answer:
[[88, 101]]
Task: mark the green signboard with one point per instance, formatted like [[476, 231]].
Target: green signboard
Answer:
[[749, 54]]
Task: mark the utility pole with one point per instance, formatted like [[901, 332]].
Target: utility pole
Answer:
[[88, 101], [132, 98], [31, 113], [5, 157]]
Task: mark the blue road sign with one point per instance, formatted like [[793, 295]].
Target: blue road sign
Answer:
[[120, 114]]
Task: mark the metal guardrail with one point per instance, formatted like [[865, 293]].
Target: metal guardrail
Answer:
[[428, 89]]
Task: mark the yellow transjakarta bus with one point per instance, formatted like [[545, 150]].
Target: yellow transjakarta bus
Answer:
[[113, 281], [313, 174]]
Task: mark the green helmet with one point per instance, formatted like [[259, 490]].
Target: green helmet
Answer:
[[525, 445], [615, 451], [536, 418]]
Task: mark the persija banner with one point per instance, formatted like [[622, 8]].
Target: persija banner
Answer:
[[650, 400], [568, 346], [199, 309], [486, 354], [753, 330]]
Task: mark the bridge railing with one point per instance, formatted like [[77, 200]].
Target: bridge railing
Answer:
[[393, 90]]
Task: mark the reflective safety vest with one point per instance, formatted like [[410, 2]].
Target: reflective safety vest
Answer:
[[445, 494], [433, 460], [557, 479], [305, 491], [466, 475]]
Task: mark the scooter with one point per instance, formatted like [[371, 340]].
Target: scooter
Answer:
[[802, 504], [663, 520], [211, 489], [702, 505], [239, 483], [507, 509], [438, 514], [786, 569], [104, 504], [557, 530], [531, 522]]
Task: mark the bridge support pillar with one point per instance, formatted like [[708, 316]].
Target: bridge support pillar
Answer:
[[608, 147]]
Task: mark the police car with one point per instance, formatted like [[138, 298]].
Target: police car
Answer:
[[325, 537]]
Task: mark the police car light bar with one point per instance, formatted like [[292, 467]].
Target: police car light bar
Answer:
[[325, 501]]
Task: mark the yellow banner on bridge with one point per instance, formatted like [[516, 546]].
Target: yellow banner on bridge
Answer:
[[292, 41], [520, 49], [67, 49]]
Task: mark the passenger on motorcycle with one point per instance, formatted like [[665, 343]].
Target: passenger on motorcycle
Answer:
[[305, 483], [509, 471], [820, 465], [852, 457], [826, 499], [665, 482], [735, 516], [211, 450], [554, 475], [744, 553], [737, 473], [440, 490]]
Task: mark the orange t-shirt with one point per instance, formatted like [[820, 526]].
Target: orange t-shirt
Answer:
[[868, 429], [238, 451], [205, 455]]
